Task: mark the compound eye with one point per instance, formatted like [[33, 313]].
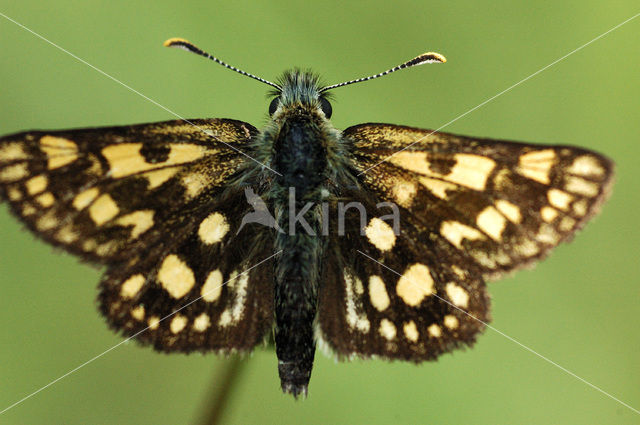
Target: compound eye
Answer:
[[274, 105], [326, 107]]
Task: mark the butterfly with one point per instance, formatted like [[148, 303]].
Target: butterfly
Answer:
[[374, 241]]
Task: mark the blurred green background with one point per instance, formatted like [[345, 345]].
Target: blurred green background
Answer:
[[579, 308]]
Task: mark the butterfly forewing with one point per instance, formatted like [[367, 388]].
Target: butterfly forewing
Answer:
[[105, 193], [499, 204]]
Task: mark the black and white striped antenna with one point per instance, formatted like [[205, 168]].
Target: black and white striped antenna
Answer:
[[429, 57], [181, 43]]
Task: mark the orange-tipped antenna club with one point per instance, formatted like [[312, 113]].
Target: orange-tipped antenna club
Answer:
[[181, 43], [429, 57]]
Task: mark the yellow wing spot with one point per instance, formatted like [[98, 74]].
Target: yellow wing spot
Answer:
[[66, 234], [559, 199], [194, 184], [566, 224], [434, 330], [14, 172], [580, 208], [138, 313], [83, 199], [511, 211], [455, 232], [378, 293], [140, 220], [548, 214], [154, 322], [458, 295], [527, 248], [213, 228], [125, 159], [586, 165], [471, 170], [458, 271], [201, 323], [12, 152], [46, 199], [212, 287], [356, 318], [89, 244], [451, 322], [103, 209], [132, 286], [403, 192], [415, 284], [411, 331], [547, 234], [14, 193], [580, 186], [47, 221], [36, 184], [238, 283], [387, 329], [437, 187], [59, 151], [380, 234], [536, 165], [178, 323], [157, 177], [175, 276], [492, 222], [412, 161]]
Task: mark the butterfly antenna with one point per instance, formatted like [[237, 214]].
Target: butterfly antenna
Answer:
[[186, 45], [429, 57]]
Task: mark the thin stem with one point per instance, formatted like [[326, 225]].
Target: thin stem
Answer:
[[221, 390]]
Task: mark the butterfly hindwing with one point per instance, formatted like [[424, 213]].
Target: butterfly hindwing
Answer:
[[209, 291], [502, 205], [103, 193]]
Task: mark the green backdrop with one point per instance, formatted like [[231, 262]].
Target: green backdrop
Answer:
[[579, 308]]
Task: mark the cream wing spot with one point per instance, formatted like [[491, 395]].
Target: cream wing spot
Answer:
[[83, 199], [451, 322], [46, 199], [14, 193], [548, 214], [131, 287], [201, 323], [12, 152], [411, 331], [153, 322], [387, 329], [213, 228], [471, 170], [580, 186], [36, 184], [559, 199], [380, 234], [511, 211], [458, 295], [566, 224], [437, 187], [140, 220], [492, 222], [378, 293], [586, 165], [434, 330], [59, 151], [403, 192], [176, 277], [138, 313], [412, 161], [157, 177], [455, 232], [212, 287], [178, 323], [536, 165], [356, 318], [415, 284], [194, 184], [103, 209], [14, 172]]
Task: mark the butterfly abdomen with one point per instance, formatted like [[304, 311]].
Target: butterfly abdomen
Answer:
[[299, 155]]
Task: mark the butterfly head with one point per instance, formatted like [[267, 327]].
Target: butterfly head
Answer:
[[299, 92]]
